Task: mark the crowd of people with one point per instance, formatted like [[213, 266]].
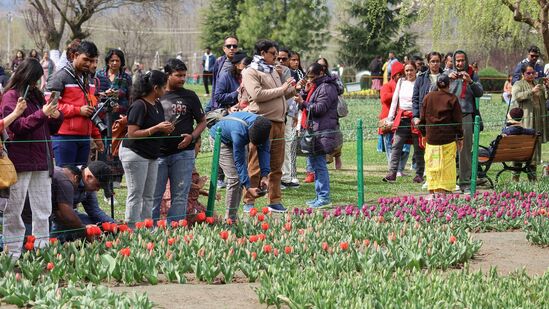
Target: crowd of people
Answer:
[[265, 106], [52, 112], [433, 108]]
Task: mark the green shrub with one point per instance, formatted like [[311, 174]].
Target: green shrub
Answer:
[[492, 80]]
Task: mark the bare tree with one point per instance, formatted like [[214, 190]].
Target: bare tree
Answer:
[[35, 27], [56, 14], [134, 36], [45, 18]]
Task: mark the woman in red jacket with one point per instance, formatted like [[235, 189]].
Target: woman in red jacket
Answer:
[[386, 139]]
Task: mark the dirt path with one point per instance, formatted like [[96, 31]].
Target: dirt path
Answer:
[[194, 296], [509, 251]]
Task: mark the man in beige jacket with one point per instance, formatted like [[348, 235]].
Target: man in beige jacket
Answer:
[[267, 97]]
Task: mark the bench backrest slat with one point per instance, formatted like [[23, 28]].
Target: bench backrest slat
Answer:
[[518, 148]]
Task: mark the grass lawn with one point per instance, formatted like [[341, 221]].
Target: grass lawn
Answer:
[[344, 182]]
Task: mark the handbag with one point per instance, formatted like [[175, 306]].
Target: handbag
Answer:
[[342, 109], [384, 126], [8, 176]]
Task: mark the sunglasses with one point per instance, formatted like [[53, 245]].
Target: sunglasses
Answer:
[[282, 59], [231, 46], [529, 73], [534, 56]]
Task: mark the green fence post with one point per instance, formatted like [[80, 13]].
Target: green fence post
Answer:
[[213, 177], [360, 163], [474, 165]]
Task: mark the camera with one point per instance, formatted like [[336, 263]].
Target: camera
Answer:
[[106, 104]]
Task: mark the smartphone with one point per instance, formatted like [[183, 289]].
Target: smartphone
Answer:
[[26, 92], [54, 98]]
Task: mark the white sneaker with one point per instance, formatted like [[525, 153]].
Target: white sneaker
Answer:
[[425, 186], [108, 201]]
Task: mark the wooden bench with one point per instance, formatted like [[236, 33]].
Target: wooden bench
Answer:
[[507, 150]]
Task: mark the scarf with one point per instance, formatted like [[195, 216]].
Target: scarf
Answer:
[[304, 119], [258, 63], [463, 84]]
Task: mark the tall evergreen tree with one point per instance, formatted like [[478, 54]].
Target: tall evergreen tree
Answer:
[[374, 28], [300, 25], [221, 19]]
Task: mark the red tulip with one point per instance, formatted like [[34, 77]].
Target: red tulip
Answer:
[[148, 223], [17, 276], [229, 221], [183, 223], [210, 220], [261, 217], [124, 228], [29, 246], [108, 244], [171, 241], [50, 266], [107, 227], [253, 212], [253, 238], [288, 226], [288, 249], [275, 252], [325, 246], [265, 210], [267, 248], [201, 217], [261, 236], [161, 224], [139, 225], [254, 255], [125, 251], [344, 246], [224, 235], [150, 246], [366, 242], [265, 226], [31, 238], [53, 241], [174, 224], [453, 239]]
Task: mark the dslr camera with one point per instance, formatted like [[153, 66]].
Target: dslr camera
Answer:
[[106, 105]]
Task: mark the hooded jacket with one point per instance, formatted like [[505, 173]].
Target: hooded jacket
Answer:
[[465, 92], [322, 107], [388, 89]]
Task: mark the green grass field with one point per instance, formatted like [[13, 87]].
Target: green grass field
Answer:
[[344, 182]]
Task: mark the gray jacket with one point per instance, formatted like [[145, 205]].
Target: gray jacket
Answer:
[[472, 91]]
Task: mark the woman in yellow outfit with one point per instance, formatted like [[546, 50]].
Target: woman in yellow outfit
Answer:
[[441, 123]]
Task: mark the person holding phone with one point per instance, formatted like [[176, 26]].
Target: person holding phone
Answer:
[[33, 159], [139, 152], [530, 95]]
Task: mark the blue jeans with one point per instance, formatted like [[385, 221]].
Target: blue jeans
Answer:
[[71, 149], [322, 178], [387, 143], [178, 168], [308, 167]]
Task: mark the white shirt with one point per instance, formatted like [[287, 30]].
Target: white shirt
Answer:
[[402, 97], [207, 62]]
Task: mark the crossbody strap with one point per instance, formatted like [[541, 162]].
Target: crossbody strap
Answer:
[[235, 119]]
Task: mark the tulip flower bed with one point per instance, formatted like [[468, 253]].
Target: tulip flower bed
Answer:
[[390, 253]]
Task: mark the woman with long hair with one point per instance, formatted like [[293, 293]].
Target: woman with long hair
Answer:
[[31, 153], [140, 151], [19, 57], [400, 117], [323, 121], [34, 54]]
